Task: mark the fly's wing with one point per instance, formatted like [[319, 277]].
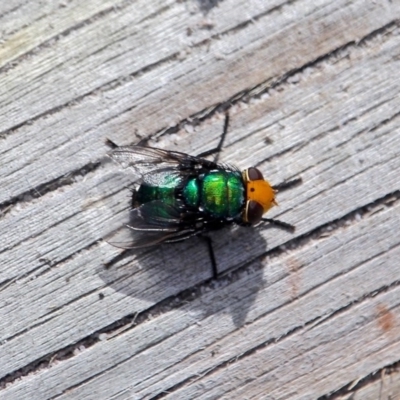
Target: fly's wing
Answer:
[[155, 222], [148, 161]]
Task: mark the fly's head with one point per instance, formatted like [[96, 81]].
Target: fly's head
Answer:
[[260, 196]]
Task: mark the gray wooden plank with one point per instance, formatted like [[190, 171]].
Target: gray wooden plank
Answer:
[[384, 385], [27, 25], [302, 309], [104, 96], [335, 123]]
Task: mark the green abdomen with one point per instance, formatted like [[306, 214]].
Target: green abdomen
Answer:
[[163, 189], [218, 193]]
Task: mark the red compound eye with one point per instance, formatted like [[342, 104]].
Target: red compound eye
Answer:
[[254, 212], [254, 174]]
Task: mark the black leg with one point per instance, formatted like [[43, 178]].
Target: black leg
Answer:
[[208, 240], [280, 187], [280, 224], [288, 185], [221, 142], [111, 144]]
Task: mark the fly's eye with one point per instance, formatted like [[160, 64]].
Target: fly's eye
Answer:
[[254, 174], [254, 212]]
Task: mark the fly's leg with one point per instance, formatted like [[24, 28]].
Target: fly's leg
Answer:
[[208, 240], [280, 187], [280, 224], [221, 141], [111, 144]]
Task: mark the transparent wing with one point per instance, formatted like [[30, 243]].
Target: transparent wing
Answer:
[[156, 222], [145, 161]]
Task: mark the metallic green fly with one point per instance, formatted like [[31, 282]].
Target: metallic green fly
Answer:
[[180, 196]]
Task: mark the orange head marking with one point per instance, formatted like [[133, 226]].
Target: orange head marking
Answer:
[[260, 196]]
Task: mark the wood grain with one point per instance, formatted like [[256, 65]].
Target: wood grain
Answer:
[[312, 92]]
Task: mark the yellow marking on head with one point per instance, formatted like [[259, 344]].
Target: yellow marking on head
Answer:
[[261, 192]]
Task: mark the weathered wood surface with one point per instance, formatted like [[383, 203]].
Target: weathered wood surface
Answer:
[[312, 89]]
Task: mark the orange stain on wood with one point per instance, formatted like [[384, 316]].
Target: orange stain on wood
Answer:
[[386, 319]]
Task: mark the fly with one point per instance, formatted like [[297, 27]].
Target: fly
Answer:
[[181, 196]]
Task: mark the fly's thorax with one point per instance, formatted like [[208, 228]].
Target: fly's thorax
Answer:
[[219, 193], [260, 196]]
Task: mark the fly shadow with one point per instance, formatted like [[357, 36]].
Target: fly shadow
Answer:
[[207, 5], [170, 275], [165, 275]]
